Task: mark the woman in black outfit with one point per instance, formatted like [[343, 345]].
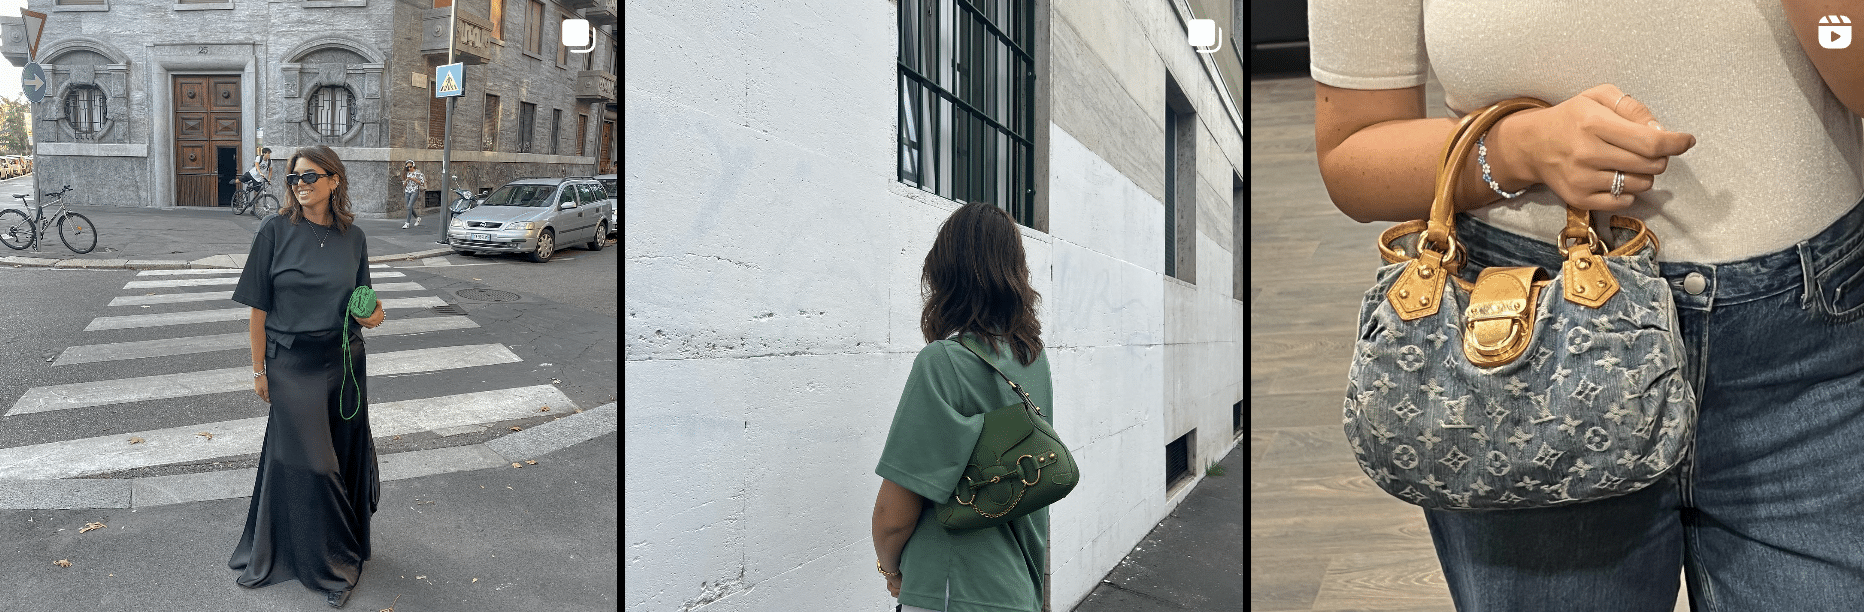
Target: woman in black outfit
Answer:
[[317, 484]]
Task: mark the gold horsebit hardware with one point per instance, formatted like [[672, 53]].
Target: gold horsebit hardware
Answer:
[[995, 479]]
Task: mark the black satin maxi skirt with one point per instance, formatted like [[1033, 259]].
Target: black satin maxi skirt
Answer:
[[317, 485]]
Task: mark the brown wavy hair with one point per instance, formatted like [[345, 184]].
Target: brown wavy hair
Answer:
[[339, 196], [976, 279]]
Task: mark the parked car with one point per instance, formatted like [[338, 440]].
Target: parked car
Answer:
[[614, 208], [13, 166], [535, 216]]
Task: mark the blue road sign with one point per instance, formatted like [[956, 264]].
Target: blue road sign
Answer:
[[33, 79], [449, 80]]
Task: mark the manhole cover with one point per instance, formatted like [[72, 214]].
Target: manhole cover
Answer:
[[488, 295]]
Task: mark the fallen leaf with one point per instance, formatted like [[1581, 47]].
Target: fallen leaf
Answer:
[[530, 462], [555, 381], [136, 440], [419, 577], [578, 411], [475, 580], [209, 436], [516, 429], [514, 465], [90, 526], [544, 409], [397, 437], [62, 563]]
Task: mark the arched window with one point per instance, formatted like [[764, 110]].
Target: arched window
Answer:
[[330, 110], [84, 109]]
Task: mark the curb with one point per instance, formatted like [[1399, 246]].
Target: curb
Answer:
[[225, 262], [497, 453]]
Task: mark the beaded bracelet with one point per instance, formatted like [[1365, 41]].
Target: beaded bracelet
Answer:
[[1482, 157]]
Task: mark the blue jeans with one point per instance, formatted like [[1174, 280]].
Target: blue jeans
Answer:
[[1767, 510], [413, 196]]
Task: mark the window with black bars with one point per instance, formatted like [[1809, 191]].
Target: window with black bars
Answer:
[[488, 132], [967, 83], [329, 110], [556, 130], [1178, 460], [84, 109], [527, 121]]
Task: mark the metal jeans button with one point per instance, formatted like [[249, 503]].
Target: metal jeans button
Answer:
[[1695, 283]]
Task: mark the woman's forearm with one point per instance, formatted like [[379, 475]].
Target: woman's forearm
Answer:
[[889, 541], [1388, 171], [256, 329]]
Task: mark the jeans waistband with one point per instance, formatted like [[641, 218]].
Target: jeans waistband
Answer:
[[1732, 282]]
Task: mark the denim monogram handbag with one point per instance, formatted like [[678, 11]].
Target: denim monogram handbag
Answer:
[[1519, 389]]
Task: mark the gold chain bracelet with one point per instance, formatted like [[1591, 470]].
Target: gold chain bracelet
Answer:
[[883, 571]]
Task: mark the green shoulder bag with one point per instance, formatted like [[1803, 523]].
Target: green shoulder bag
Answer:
[[1018, 466], [361, 304]]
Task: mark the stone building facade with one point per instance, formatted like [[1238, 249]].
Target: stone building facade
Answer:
[[160, 104]]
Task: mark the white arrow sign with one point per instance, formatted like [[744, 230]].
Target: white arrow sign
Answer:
[[34, 82]]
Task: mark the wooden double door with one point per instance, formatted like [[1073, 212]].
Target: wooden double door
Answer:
[[207, 138]]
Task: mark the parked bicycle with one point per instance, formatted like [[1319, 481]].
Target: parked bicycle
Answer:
[[17, 231], [252, 195]]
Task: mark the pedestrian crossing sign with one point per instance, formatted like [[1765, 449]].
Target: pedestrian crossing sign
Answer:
[[449, 81]]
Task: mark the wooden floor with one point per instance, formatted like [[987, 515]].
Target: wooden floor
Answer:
[[1322, 536]]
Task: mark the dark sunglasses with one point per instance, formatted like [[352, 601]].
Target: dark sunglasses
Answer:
[[309, 178]]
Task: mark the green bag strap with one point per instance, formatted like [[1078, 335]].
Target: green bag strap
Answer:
[[1019, 390], [361, 304]]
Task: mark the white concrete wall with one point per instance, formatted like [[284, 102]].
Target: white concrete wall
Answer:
[[772, 303]]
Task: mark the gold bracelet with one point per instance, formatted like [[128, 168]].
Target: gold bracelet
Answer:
[[883, 571]]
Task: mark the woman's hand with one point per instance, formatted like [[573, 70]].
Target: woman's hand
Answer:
[[893, 586], [374, 319], [259, 386], [1577, 146]]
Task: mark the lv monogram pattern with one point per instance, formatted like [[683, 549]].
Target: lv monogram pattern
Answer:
[[1596, 407]]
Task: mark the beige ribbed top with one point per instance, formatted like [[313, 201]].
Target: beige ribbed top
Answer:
[[1777, 156]]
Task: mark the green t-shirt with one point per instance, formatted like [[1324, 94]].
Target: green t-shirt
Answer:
[[941, 413]]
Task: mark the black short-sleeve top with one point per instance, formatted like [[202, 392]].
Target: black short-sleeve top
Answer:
[[302, 287]]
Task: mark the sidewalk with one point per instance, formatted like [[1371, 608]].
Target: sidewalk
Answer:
[[183, 237], [1193, 560]]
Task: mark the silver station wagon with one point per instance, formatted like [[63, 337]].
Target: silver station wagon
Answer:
[[535, 216]]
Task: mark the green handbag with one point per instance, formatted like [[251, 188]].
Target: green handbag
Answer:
[[1018, 466], [361, 304]]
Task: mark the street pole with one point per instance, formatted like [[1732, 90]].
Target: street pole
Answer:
[[446, 138]]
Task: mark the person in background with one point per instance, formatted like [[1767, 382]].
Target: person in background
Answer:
[[412, 184]]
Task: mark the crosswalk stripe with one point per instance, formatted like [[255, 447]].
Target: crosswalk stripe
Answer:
[[186, 384], [114, 453], [189, 272], [168, 347], [228, 314], [229, 280], [208, 296]]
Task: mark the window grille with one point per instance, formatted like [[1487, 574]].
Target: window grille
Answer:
[[84, 109], [527, 130], [967, 84], [556, 129], [488, 132], [1178, 460], [330, 110]]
